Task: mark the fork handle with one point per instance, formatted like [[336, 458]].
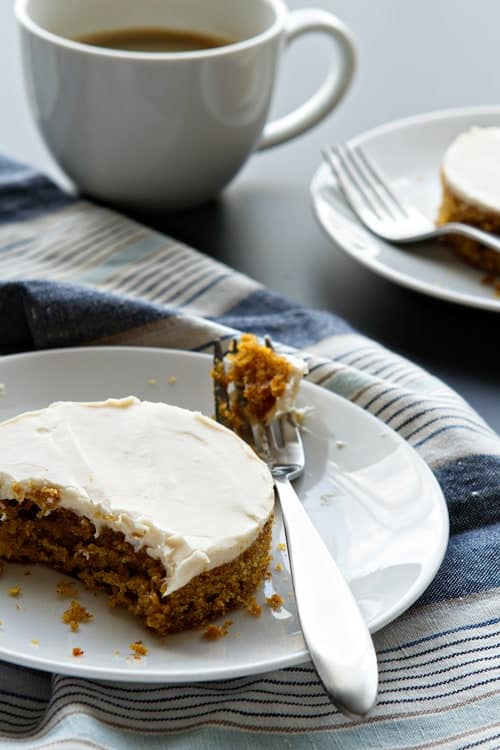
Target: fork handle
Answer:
[[465, 230], [333, 627]]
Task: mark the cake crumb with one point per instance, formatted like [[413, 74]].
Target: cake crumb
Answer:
[[116, 653], [281, 547], [279, 567], [152, 381], [275, 602], [75, 614], [253, 608], [67, 589], [35, 642], [138, 649], [14, 591], [172, 380], [27, 572], [215, 632], [78, 651], [339, 444]]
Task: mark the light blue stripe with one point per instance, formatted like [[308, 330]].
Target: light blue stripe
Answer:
[[345, 383], [124, 257]]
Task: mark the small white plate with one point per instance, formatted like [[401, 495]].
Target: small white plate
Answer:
[[409, 152], [378, 507]]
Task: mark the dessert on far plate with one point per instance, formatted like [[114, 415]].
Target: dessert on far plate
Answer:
[[470, 176], [163, 509]]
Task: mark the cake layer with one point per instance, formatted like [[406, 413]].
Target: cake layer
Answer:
[[105, 561], [173, 482]]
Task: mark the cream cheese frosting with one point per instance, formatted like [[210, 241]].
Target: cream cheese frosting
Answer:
[[471, 167], [169, 479], [286, 402]]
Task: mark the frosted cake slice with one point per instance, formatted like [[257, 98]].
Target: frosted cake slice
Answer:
[[163, 509], [470, 176]]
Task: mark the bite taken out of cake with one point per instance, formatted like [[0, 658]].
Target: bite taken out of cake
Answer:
[[470, 177], [162, 509]]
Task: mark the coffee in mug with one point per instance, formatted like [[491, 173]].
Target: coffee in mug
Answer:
[[153, 40]]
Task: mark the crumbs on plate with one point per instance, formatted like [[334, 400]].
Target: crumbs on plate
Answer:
[[76, 614], [275, 602], [215, 632], [78, 651], [138, 649], [14, 591]]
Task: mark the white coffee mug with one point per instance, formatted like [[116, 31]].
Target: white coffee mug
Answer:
[[166, 130]]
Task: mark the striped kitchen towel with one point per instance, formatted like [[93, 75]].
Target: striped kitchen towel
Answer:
[[74, 273]]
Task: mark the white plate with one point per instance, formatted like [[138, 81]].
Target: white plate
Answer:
[[377, 505], [409, 152]]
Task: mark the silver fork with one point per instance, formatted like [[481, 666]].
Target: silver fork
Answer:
[[333, 627], [381, 210]]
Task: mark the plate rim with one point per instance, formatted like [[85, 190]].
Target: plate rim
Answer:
[[152, 676], [382, 269]]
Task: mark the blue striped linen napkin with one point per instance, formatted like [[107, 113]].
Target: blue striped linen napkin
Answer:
[[73, 273]]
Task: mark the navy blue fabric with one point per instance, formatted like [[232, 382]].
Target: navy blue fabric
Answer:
[[25, 193], [43, 314], [471, 565], [265, 312], [472, 490], [46, 315]]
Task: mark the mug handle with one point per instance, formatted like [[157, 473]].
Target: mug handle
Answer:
[[333, 87]]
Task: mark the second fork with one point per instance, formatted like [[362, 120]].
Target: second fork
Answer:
[[379, 207]]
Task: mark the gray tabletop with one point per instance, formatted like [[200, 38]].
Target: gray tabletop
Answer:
[[413, 57]]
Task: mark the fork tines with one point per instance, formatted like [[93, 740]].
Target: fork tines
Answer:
[[221, 397], [223, 400], [363, 183]]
